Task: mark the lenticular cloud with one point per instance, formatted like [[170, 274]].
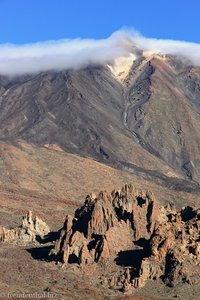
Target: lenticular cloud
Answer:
[[80, 53]]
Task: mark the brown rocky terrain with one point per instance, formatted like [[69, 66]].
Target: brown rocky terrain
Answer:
[[63, 134], [174, 250], [118, 242], [52, 183], [146, 123], [164, 91], [108, 227]]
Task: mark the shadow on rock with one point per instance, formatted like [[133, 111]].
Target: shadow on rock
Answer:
[[131, 258], [144, 243], [49, 238], [41, 253]]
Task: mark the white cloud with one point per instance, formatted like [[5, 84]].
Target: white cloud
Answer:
[[79, 53], [61, 54], [188, 50]]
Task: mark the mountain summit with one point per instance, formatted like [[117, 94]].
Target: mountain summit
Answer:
[[64, 133], [140, 114]]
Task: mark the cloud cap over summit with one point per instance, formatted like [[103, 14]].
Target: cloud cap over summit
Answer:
[[80, 53]]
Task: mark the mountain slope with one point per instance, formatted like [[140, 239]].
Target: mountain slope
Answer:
[[51, 182], [66, 134], [163, 110], [81, 111], [146, 122]]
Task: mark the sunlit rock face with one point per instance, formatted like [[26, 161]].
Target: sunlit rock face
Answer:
[[121, 66], [108, 228], [107, 224], [32, 229]]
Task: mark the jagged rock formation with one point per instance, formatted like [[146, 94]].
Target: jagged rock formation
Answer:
[[173, 254], [174, 250], [30, 230], [108, 225]]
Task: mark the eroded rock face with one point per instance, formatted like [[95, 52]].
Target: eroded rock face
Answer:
[[97, 215], [174, 250], [30, 230], [107, 224], [140, 208]]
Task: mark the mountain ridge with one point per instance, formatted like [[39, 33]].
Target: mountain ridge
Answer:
[[93, 113]]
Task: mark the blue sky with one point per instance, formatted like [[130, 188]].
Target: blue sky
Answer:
[[25, 21]]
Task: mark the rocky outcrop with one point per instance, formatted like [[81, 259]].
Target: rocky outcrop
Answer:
[[174, 251], [160, 242], [140, 208], [97, 215], [30, 231], [106, 225]]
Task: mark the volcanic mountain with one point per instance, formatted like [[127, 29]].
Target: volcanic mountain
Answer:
[[66, 133], [141, 115]]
